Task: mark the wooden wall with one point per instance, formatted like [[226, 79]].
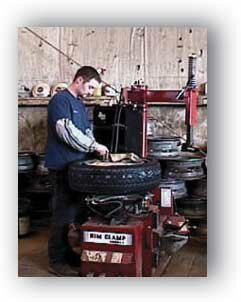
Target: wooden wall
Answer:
[[157, 55]]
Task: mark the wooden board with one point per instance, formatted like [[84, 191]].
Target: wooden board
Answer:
[[157, 55], [166, 55], [37, 61], [190, 261]]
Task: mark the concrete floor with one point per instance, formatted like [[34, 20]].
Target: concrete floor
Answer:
[[189, 261]]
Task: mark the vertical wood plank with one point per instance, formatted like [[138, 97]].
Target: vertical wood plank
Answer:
[[38, 62], [167, 51], [159, 55]]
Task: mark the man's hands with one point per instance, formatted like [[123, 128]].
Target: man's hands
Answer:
[[102, 150]]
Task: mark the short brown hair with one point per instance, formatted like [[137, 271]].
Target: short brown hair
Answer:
[[87, 73]]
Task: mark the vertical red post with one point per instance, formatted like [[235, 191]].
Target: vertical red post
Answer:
[[191, 100]]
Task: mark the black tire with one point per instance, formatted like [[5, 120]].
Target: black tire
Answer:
[[23, 206], [161, 147], [25, 162], [178, 187], [193, 207], [114, 180], [40, 165]]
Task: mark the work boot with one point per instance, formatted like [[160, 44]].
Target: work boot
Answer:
[[62, 270]]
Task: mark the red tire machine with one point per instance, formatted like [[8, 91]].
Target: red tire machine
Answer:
[[141, 96], [133, 247]]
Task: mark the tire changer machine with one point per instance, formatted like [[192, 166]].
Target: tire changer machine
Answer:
[[133, 241]]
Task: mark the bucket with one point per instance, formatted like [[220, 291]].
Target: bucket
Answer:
[[23, 216]]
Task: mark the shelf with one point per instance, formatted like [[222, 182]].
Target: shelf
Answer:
[[202, 101], [43, 101], [31, 101], [102, 101]]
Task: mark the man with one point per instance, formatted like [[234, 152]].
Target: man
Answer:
[[69, 139]]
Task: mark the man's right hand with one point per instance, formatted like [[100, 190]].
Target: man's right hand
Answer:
[[102, 150]]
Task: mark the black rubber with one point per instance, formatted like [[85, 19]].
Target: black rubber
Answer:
[[162, 143], [114, 180], [23, 205], [25, 162], [193, 207]]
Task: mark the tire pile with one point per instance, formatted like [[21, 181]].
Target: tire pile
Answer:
[[163, 146], [184, 173], [34, 185], [32, 174], [26, 166]]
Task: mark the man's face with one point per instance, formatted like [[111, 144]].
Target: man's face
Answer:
[[86, 88]]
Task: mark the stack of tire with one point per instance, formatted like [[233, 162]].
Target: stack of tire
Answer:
[[32, 173], [164, 148], [26, 166], [191, 170], [184, 173], [42, 182], [40, 193], [35, 186]]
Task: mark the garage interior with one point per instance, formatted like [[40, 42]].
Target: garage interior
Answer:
[[151, 112]]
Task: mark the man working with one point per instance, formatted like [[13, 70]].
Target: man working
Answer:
[[69, 139]]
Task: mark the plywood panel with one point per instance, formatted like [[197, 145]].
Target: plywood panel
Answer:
[[167, 51], [37, 61], [160, 57], [116, 49], [193, 40], [157, 54]]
